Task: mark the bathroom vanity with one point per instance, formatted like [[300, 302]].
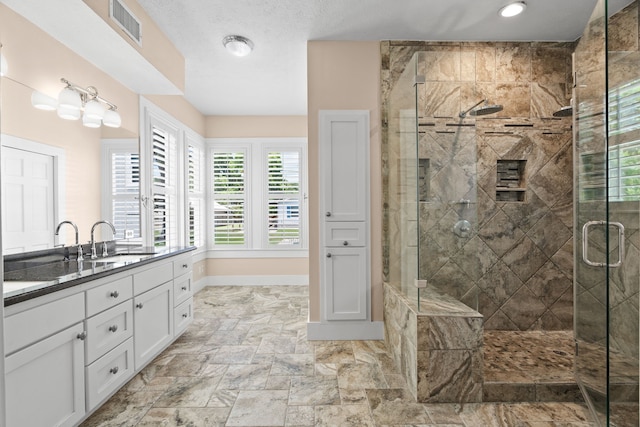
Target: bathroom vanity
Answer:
[[72, 341]]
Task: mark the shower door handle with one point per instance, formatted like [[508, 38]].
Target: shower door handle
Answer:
[[585, 243]]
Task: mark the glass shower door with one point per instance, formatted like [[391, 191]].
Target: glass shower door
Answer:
[[607, 215]]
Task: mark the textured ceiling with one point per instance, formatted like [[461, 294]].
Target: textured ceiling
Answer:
[[272, 80]]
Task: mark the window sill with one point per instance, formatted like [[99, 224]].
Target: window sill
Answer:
[[257, 253]]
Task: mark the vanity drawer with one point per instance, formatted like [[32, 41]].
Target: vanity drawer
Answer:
[[105, 296], [109, 373], [149, 279], [108, 329], [29, 326], [183, 315], [182, 289], [345, 233], [182, 265]]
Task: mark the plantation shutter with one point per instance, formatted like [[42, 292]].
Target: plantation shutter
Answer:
[[125, 188], [195, 190], [229, 198], [284, 198], [165, 177]]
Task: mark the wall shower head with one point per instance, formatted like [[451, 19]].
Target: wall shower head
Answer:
[[486, 109], [482, 111], [565, 111]]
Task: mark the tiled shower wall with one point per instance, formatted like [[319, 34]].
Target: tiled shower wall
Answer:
[[515, 265]]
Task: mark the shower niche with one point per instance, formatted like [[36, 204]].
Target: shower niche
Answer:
[[510, 183]]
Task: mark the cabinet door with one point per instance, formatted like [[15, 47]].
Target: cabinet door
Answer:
[[45, 381], [346, 284], [152, 322], [344, 139]]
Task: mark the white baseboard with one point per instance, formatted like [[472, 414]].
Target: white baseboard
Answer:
[[302, 280], [345, 330]]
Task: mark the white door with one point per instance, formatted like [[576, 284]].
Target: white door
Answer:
[[28, 200]]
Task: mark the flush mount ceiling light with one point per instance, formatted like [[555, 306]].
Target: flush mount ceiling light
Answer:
[[74, 102], [512, 9], [238, 45]]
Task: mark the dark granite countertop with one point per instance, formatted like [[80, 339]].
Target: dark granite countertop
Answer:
[[40, 273]]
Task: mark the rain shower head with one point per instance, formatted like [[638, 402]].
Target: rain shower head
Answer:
[[565, 111], [482, 111]]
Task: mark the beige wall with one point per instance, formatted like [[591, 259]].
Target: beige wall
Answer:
[[256, 126], [156, 47], [38, 61], [181, 109], [343, 76]]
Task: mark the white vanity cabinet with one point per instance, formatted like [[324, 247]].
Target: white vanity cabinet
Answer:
[[44, 378], [109, 343], [69, 351]]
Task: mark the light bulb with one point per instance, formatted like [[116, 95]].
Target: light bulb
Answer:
[[70, 99], [68, 113], [112, 119], [513, 9], [94, 109], [90, 122]]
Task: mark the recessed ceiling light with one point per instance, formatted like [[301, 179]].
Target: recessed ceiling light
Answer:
[[238, 45], [512, 9]]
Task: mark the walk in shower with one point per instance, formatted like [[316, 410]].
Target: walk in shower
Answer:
[[529, 214]]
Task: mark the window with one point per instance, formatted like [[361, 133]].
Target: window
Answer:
[[229, 198], [121, 205], [258, 194], [195, 191], [164, 164]]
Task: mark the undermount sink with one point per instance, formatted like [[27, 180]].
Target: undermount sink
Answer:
[[124, 258]]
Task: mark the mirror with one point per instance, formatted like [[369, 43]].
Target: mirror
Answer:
[[52, 167]]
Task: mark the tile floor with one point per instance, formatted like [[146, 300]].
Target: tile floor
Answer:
[[245, 361]]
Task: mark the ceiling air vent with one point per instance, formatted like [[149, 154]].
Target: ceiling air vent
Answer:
[[126, 20]]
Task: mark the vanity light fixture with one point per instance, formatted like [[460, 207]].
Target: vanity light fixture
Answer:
[[238, 45], [74, 102], [512, 9]]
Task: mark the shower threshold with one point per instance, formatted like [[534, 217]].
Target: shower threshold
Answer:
[[531, 366]]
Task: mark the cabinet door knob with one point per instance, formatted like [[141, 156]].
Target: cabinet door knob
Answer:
[[345, 243], [113, 328], [185, 315], [329, 255], [114, 294], [139, 305], [184, 288], [185, 265], [82, 336], [114, 370], [328, 214]]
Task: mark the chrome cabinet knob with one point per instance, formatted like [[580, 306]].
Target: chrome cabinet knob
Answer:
[[82, 336], [345, 243], [114, 370], [184, 288], [328, 214], [114, 294], [329, 255], [139, 305], [113, 328], [185, 265], [185, 315]]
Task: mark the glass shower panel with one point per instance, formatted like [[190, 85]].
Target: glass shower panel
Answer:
[[403, 183], [623, 96], [449, 255]]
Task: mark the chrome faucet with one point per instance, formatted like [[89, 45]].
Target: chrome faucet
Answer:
[[104, 245], [75, 227]]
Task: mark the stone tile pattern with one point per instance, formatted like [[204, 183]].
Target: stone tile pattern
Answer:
[[245, 361], [437, 350], [516, 265]]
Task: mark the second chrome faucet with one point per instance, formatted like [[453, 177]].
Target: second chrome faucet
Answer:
[[104, 244]]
